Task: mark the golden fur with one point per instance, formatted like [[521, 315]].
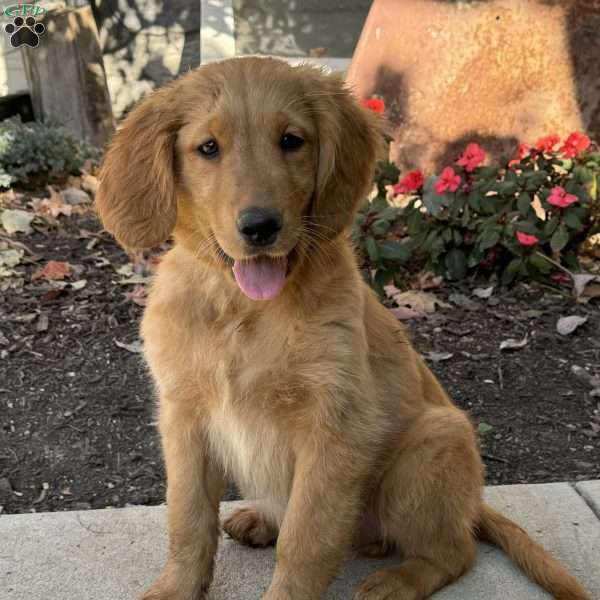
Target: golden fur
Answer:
[[314, 401]]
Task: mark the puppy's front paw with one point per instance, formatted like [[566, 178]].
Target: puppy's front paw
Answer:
[[176, 583], [250, 528]]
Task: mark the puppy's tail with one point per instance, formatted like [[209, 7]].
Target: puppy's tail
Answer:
[[537, 563]]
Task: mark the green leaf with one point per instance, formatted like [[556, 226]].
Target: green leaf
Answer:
[[540, 263], [475, 199], [524, 203], [456, 263], [489, 238], [507, 188], [433, 201], [382, 277], [372, 249], [551, 225], [392, 250], [380, 226], [560, 238], [487, 172], [572, 220]]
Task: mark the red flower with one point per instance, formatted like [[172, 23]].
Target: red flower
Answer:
[[525, 239], [472, 157], [411, 182], [575, 144], [522, 151], [448, 180], [375, 104], [559, 197], [547, 143]]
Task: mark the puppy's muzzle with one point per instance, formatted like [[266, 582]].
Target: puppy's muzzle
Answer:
[[259, 226]]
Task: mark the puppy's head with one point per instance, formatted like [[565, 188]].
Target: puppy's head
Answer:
[[250, 161]]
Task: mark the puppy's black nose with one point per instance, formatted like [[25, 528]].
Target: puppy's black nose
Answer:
[[259, 226]]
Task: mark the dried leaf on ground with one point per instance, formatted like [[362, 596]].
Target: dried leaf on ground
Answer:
[[16, 220], [10, 258], [439, 356], [419, 301], [138, 295], [463, 302], [42, 323], [403, 313], [484, 428], [567, 325], [585, 287], [585, 376], [75, 196], [79, 284], [427, 281], [130, 276], [513, 344], [53, 270], [54, 206], [483, 292], [136, 347]]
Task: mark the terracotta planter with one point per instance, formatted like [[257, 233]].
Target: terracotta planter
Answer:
[[496, 72]]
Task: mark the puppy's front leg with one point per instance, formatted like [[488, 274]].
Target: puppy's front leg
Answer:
[[195, 485], [324, 506]]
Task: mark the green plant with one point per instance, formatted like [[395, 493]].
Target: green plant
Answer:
[[520, 218], [38, 152], [517, 219]]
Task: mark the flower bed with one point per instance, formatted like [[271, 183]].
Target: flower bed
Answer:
[[522, 217]]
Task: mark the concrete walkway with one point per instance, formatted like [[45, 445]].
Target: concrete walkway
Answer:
[[114, 554]]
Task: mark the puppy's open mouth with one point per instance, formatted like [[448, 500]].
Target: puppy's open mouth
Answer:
[[261, 277]]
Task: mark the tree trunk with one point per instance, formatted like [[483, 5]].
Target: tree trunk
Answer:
[[66, 75]]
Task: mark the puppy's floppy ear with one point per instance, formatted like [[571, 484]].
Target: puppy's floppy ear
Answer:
[[136, 198], [350, 142]]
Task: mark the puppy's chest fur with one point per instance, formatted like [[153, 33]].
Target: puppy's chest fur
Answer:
[[252, 378]]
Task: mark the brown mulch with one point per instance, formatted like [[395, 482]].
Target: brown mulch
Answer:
[[76, 403]]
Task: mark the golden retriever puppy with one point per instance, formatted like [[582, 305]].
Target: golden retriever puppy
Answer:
[[274, 363]]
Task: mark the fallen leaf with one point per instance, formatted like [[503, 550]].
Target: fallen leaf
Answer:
[[17, 220], [586, 287], [79, 284], [135, 347], [427, 280], [10, 258], [53, 270], [43, 493], [567, 325], [74, 196], [42, 323], [404, 313], [484, 428], [439, 356], [512, 344], [463, 301], [138, 295], [419, 301], [483, 292], [89, 183], [130, 276], [55, 205]]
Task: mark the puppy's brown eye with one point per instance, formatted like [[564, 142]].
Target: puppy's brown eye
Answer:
[[290, 142], [209, 149]]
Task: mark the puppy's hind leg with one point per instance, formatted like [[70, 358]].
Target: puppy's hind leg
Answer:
[[428, 504]]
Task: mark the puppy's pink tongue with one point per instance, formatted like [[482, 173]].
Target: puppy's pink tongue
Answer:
[[261, 278]]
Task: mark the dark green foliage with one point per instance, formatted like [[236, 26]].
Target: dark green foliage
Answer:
[[35, 152]]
